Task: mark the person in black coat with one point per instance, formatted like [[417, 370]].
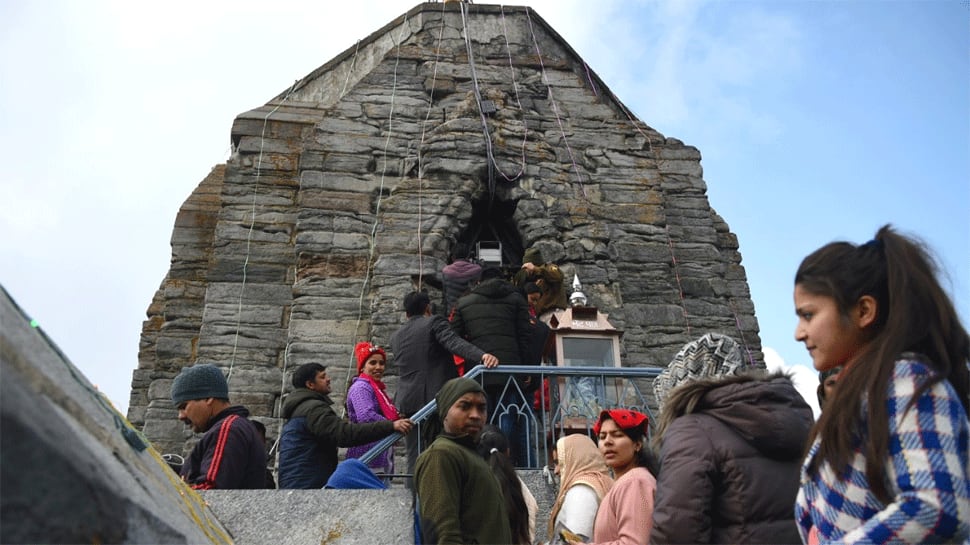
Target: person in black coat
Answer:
[[495, 318]]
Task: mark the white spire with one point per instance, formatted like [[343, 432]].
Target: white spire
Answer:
[[578, 298]]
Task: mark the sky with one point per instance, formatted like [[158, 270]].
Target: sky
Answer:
[[817, 121]]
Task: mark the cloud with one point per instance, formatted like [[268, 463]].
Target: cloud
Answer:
[[699, 61], [806, 380]]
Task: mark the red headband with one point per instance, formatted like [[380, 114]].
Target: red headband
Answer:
[[624, 418], [364, 350]]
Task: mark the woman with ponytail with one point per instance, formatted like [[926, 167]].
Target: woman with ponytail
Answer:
[[887, 461], [367, 401], [521, 505]]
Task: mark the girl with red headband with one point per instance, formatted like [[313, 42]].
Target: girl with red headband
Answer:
[[367, 401], [625, 515]]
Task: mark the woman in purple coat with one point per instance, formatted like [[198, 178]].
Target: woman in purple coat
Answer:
[[367, 401]]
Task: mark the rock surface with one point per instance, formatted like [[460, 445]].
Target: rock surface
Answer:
[[72, 469]]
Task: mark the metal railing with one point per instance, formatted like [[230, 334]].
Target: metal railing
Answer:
[[533, 417]]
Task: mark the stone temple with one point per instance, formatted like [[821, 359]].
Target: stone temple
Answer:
[[453, 123]]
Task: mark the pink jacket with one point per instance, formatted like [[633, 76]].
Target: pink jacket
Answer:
[[625, 515]]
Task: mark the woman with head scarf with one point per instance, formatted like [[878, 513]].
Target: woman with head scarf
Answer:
[[625, 515], [367, 401], [731, 440], [584, 479]]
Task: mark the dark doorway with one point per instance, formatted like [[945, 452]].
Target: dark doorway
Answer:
[[493, 231]]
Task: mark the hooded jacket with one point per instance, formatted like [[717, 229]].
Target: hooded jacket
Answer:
[[311, 435], [456, 278], [730, 468], [495, 318]]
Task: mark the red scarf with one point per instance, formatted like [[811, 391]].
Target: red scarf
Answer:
[[390, 412]]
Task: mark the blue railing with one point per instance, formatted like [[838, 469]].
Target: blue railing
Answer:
[[534, 417]]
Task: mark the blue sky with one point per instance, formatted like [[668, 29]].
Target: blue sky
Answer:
[[817, 121]]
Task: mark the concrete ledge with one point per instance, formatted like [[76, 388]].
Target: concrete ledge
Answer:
[[314, 517]]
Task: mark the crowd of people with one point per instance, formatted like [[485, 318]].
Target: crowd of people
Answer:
[[735, 455]]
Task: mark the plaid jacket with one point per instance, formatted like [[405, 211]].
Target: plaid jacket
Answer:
[[928, 473]]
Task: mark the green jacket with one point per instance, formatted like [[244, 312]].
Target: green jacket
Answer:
[[459, 499]]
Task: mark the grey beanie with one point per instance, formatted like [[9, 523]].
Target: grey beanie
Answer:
[[199, 382], [711, 356]]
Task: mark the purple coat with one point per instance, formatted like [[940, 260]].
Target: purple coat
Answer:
[[362, 406]]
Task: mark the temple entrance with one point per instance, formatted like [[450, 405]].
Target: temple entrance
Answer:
[[493, 235]]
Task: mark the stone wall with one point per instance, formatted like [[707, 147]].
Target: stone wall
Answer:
[[348, 190]]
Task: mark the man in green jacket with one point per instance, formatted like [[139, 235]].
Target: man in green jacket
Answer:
[[313, 431], [459, 499]]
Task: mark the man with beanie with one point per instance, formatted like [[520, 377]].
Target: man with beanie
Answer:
[[423, 352], [313, 431], [231, 453], [731, 441], [459, 499]]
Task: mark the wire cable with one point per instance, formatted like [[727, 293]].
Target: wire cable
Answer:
[[252, 226], [554, 105]]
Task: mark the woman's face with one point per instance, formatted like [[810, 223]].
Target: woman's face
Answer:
[[832, 338], [617, 448], [374, 366]]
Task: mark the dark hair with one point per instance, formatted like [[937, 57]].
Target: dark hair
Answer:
[[822, 377], [643, 457], [415, 303], [913, 314], [306, 372], [531, 287], [491, 272], [494, 447], [461, 250]]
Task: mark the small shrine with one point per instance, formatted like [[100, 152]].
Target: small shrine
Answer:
[[584, 337]]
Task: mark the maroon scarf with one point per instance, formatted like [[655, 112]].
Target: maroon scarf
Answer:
[[390, 412]]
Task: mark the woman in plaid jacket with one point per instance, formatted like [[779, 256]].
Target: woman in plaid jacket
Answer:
[[888, 460]]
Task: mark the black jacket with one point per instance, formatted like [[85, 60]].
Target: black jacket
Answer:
[[230, 454], [495, 318]]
